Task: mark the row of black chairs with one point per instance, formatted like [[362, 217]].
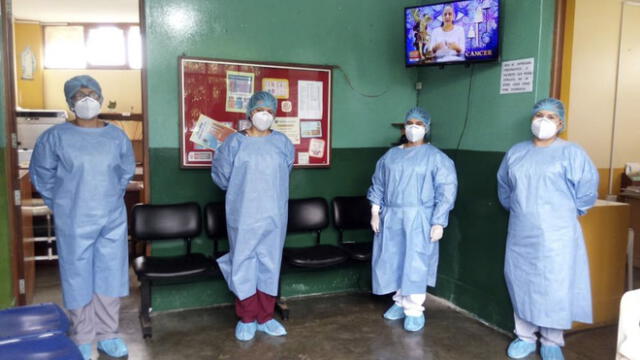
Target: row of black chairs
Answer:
[[151, 223]]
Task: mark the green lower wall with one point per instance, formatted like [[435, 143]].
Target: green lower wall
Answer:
[[470, 273], [6, 291]]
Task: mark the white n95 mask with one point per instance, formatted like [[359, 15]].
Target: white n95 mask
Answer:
[[414, 132], [87, 108], [543, 128], [262, 120]]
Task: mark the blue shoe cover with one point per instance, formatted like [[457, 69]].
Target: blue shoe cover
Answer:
[[519, 349], [245, 331], [413, 323], [395, 312], [85, 350], [551, 352], [115, 348], [273, 328]]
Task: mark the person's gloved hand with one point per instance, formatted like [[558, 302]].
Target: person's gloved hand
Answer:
[[436, 232], [375, 218]]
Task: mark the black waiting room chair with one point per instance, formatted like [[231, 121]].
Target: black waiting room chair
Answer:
[[311, 215], [156, 223], [215, 225], [353, 213], [305, 216]]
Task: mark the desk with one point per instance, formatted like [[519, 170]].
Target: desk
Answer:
[[605, 229]]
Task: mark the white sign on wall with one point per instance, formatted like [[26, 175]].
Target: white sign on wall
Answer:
[[517, 76]]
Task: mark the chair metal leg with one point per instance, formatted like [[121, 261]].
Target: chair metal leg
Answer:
[[281, 305], [145, 308], [282, 309]]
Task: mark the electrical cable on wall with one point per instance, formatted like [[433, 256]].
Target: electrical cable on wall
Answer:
[[346, 78], [466, 117]]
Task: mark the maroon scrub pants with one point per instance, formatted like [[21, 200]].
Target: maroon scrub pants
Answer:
[[259, 306]]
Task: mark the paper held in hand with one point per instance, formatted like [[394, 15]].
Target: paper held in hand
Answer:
[[209, 133]]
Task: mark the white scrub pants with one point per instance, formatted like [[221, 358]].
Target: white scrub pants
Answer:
[[96, 321], [527, 332], [412, 304]]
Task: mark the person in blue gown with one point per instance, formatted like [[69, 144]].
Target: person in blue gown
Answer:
[[413, 190], [253, 167], [81, 169], [546, 183]]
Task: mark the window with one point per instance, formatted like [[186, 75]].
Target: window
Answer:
[[103, 46]]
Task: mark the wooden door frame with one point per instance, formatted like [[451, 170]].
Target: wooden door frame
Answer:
[[145, 113], [11, 155]]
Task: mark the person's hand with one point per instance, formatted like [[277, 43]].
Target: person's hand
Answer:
[[375, 218], [436, 232], [439, 46], [221, 132], [455, 47]]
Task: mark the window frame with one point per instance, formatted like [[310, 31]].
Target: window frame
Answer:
[[87, 27]]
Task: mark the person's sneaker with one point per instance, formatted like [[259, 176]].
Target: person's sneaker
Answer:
[[85, 350], [273, 328], [414, 323], [519, 349], [245, 331], [395, 312], [551, 352], [115, 348]]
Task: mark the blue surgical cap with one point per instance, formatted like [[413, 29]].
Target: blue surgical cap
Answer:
[[420, 114], [74, 84], [262, 99], [550, 104]]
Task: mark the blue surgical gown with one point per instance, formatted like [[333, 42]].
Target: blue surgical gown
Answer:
[[82, 175], [415, 188], [545, 189], [255, 173]]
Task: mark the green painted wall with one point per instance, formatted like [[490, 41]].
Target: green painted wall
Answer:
[[457, 93], [6, 291], [472, 253], [365, 39]]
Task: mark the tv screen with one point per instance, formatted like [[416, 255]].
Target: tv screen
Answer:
[[452, 32]]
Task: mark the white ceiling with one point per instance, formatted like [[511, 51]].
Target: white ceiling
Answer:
[[76, 10]]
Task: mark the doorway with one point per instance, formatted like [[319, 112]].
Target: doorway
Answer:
[[50, 42]]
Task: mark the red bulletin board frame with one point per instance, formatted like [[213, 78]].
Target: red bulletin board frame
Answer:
[[204, 90]]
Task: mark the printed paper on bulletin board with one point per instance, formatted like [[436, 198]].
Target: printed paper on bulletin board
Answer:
[[214, 95]]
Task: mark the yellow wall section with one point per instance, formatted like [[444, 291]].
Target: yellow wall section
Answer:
[[122, 86], [593, 75], [603, 187], [30, 92], [605, 51], [626, 146]]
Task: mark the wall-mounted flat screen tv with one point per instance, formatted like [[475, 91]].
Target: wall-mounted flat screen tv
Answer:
[[452, 32]]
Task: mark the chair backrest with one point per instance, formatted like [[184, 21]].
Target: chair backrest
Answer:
[[215, 224], [351, 212], [311, 214], [161, 222], [215, 221]]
